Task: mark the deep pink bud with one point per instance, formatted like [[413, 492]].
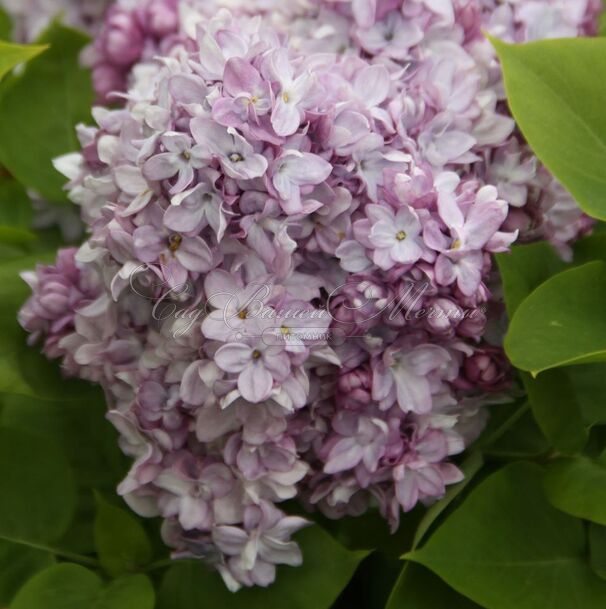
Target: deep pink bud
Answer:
[[107, 79], [121, 39], [487, 368], [160, 17], [354, 387], [443, 316], [518, 219]]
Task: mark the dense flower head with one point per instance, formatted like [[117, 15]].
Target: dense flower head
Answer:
[[31, 17], [286, 286]]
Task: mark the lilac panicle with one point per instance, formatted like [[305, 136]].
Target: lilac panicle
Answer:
[[287, 285]]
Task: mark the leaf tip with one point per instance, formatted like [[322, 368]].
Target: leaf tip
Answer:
[[497, 43]]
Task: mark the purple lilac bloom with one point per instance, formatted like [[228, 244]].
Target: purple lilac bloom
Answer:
[[31, 17], [288, 278]]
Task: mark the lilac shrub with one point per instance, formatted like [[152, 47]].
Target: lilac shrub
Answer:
[[288, 280]]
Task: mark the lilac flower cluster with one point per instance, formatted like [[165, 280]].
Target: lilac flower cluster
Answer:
[[286, 287], [136, 32], [31, 17]]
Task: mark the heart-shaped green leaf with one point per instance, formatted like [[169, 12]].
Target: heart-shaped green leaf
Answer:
[[18, 564], [419, 588], [525, 268], [507, 547], [577, 486], [36, 486], [556, 409], [556, 90], [470, 467], [12, 55], [39, 110], [552, 395], [68, 586], [562, 322], [121, 541]]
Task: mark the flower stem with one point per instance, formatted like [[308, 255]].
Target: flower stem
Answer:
[[78, 558]]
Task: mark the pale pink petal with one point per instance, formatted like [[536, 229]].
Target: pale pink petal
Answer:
[[183, 218], [285, 118], [364, 12], [371, 85], [345, 454], [195, 255], [414, 394], [255, 383], [240, 77], [233, 357], [161, 167]]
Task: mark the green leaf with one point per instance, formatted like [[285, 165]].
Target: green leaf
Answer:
[[121, 541], [68, 586], [26, 372], [371, 531], [556, 409], [592, 247], [17, 565], [589, 383], [408, 592], [555, 90], [525, 268], [522, 440], [597, 548], [15, 214], [6, 25], [561, 322], [502, 418], [37, 488], [507, 547], [326, 569], [44, 104], [562, 401], [88, 440], [372, 582], [132, 592], [63, 586], [470, 467], [577, 486], [90, 444], [10, 235], [419, 588], [12, 55]]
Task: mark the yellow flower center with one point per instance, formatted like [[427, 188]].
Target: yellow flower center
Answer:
[[400, 235], [285, 97], [235, 157], [174, 242], [256, 354], [456, 244]]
